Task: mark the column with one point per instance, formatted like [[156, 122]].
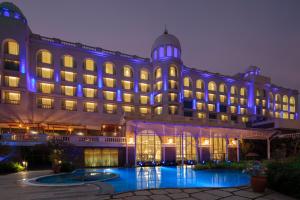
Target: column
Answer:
[[226, 153], [182, 157], [197, 148], [164, 143], [268, 149], [200, 146], [127, 160], [135, 132], [238, 150]]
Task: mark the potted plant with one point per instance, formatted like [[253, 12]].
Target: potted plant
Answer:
[[258, 176]]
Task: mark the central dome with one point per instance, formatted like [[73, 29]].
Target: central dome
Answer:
[[166, 39]]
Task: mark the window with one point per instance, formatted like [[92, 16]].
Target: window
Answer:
[[109, 82], [11, 97], [222, 88], [110, 108], [173, 110], [243, 111], [90, 107], [211, 97], [68, 90], [233, 109], [144, 110], [68, 61], [144, 99], [45, 73], [89, 64], [187, 82], [127, 98], [158, 85], [201, 115], [128, 108], [144, 87], [169, 51], [243, 101], [158, 98], [277, 98], [200, 84], [12, 81], [173, 84], [109, 68], [172, 97], [211, 107], [224, 118], [173, 71], [69, 105], [222, 98], [45, 57], [257, 93], [245, 119], [127, 71], [68, 76], [292, 101], [89, 79], [243, 91], [200, 106], [127, 85], [233, 90], [158, 73], [46, 103], [11, 65], [158, 110], [109, 95], [89, 92], [200, 95], [144, 74], [187, 93], [212, 86], [285, 99], [233, 100], [161, 52], [12, 48], [46, 88]]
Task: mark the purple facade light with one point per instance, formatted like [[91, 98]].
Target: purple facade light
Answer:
[[119, 95], [169, 51], [79, 90], [161, 52]]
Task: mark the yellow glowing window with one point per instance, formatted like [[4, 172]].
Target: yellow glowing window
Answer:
[[13, 48], [257, 101], [144, 74], [108, 95], [292, 100], [127, 98], [243, 111], [69, 105], [205, 142], [224, 117], [144, 110], [199, 84], [187, 82], [144, 87], [89, 79], [46, 57], [128, 108], [211, 97], [233, 90], [211, 107], [263, 111], [46, 88], [233, 109], [158, 98], [110, 108], [285, 99], [144, 99], [233, 100], [12, 97], [243, 91], [158, 110], [285, 115], [292, 109], [173, 110], [127, 85], [243, 101], [187, 93], [277, 106], [45, 73], [222, 88], [89, 92], [89, 64], [90, 107], [285, 107], [172, 97], [12, 81], [173, 84], [159, 85], [201, 115], [158, 73], [68, 76], [200, 106], [222, 98], [200, 95], [292, 116], [245, 119], [277, 98], [172, 71], [127, 71], [68, 61], [271, 113], [277, 114], [109, 82], [109, 68], [68, 90], [212, 86], [45, 103]]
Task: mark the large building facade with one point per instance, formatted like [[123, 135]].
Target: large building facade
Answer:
[[119, 108]]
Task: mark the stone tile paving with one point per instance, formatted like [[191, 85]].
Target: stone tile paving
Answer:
[[11, 188]]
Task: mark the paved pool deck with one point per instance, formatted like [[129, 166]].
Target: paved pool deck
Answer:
[[13, 188]]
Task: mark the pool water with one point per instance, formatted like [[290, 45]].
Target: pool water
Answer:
[[173, 177]]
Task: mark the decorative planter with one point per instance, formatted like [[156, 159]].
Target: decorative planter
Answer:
[[258, 183]]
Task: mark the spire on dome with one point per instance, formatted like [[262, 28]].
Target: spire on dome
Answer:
[[166, 30]]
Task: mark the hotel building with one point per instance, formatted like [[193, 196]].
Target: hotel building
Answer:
[[121, 109]]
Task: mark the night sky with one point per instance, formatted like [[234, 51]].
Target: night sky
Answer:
[[224, 36]]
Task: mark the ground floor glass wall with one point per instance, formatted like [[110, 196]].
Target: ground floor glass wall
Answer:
[[148, 147], [185, 147], [217, 148], [106, 157]]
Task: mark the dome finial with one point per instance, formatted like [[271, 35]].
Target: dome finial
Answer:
[[166, 30]]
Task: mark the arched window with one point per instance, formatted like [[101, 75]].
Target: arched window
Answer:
[[127, 71], [243, 91], [44, 56], [68, 61], [144, 74], [200, 84], [285, 99], [158, 73], [292, 101], [233, 90], [257, 93], [222, 88], [277, 98], [89, 64], [11, 47], [212, 86], [109, 68], [187, 82], [173, 71]]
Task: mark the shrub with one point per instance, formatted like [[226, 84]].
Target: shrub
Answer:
[[67, 167], [222, 165], [10, 167]]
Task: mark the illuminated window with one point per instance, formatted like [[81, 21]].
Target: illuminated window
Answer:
[[89, 92], [285, 115], [173, 97], [292, 104], [128, 108], [90, 107], [46, 103], [233, 100], [243, 101], [187, 93], [158, 98], [127, 98], [243, 91], [200, 95], [173, 84], [68, 76], [222, 98], [205, 141], [89, 64], [109, 82], [161, 52], [224, 118], [46, 88], [292, 101], [257, 93], [245, 119], [127, 71], [127, 85], [13, 48], [263, 102], [45, 73], [211, 107], [201, 115], [11, 97], [12, 81], [233, 109], [211, 97], [187, 82], [109, 68], [158, 73], [263, 111], [257, 101], [212, 86], [233, 90], [158, 85], [144, 99], [45, 57], [158, 110], [277, 98], [292, 109], [109, 95], [277, 114], [144, 110], [292, 116], [144, 74], [69, 105], [68, 61], [144, 87], [89, 79], [200, 84], [277, 106], [68, 90], [173, 110], [285, 99], [169, 51], [243, 111], [110, 108], [173, 71], [200, 106], [222, 88]]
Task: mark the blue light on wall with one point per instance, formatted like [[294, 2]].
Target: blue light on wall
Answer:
[[239, 109], [194, 104], [161, 52], [169, 51], [56, 77], [23, 68], [218, 106], [17, 16], [136, 86], [100, 84], [32, 85], [151, 99], [254, 110], [180, 97], [6, 13], [79, 90], [119, 95], [175, 52]]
